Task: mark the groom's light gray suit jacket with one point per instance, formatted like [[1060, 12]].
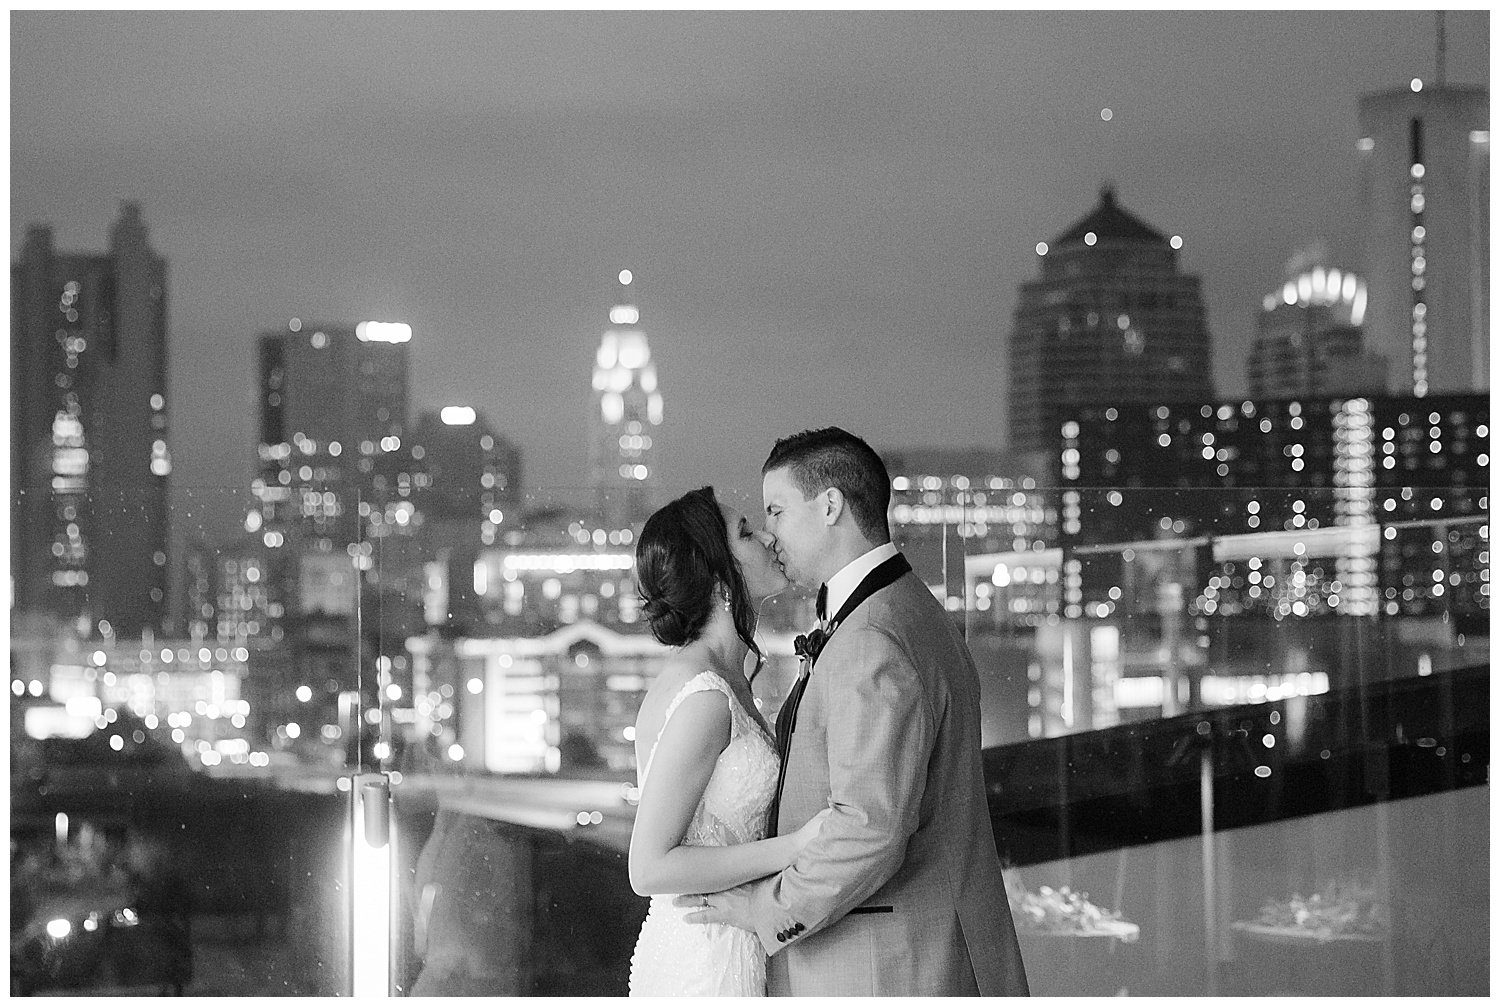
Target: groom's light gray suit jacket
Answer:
[[901, 892]]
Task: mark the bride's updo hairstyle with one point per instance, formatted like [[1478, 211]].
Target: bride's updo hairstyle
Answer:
[[681, 559]]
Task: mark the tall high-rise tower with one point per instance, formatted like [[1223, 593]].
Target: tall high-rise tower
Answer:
[[332, 561], [1424, 156], [331, 459], [627, 411], [1111, 319], [469, 491], [89, 438]]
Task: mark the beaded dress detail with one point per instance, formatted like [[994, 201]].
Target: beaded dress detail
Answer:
[[676, 958]]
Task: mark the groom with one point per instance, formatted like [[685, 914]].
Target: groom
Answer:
[[900, 893]]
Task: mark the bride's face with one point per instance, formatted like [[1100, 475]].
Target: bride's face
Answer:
[[752, 549]]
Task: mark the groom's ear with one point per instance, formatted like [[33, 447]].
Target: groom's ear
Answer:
[[833, 505]]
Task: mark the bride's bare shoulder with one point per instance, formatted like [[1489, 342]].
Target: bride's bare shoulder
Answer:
[[667, 684]]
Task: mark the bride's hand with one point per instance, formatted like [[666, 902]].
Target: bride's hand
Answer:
[[805, 835]]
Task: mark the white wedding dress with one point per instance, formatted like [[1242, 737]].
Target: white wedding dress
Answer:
[[676, 958]]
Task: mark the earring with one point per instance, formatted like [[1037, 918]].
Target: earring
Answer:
[[724, 602]]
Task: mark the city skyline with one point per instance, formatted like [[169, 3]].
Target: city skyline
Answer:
[[795, 208]]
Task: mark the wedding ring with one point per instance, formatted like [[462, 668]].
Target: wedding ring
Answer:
[[705, 901]]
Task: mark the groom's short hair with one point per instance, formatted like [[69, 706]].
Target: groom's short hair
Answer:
[[817, 459]]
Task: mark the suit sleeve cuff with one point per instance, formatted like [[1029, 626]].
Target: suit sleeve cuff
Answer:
[[763, 910]]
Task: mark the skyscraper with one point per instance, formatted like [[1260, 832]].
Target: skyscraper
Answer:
[[333, 517], [627, 411], [89, 433], [1309, 339], [468, 489], [333, 412], [1111, 319], [1424, 164]]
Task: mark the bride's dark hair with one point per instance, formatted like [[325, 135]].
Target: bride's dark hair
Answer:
[[683, 554]]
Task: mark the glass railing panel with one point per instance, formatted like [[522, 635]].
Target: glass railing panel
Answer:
[[479, 679], [1350, 902], [1312, 845]]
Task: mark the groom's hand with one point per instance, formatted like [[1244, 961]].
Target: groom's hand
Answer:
[[730, 906]]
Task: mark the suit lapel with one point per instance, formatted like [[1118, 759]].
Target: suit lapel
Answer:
[[882, 576]]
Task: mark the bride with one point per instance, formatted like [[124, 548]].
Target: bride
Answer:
[[707, 760]]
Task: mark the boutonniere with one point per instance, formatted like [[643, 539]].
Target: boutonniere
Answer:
[[808, 646]]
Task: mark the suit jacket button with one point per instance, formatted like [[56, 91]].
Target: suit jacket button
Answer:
[[798, 928]]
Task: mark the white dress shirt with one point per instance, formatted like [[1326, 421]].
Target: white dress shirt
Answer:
[[842, 584]]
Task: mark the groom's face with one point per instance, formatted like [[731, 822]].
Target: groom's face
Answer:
[[797, 526]]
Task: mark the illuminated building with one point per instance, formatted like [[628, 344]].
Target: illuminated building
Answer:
[[184, 689], [335, 470], [1431, 496], [90, 456], [1282, 509], [1353, 526], [565, 701], [950, 504], [228, 594], [333, 409], [550, 574], [1110, 319], [1309, 340], [627, 412], [334, 511], [535, 704], [1424, 153], [468, 482]]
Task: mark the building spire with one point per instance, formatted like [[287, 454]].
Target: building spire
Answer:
[[1442, 51]]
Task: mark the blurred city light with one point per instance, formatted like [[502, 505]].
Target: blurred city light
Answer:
[[383, 332], [458, 416]]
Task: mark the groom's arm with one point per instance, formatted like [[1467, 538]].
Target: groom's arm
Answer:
[[880, 734]]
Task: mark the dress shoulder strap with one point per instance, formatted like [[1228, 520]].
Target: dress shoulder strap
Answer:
[[704, 681]]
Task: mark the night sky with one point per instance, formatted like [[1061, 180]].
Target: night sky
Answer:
[[830, 213]]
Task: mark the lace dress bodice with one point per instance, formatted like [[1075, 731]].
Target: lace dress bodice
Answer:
[[676, 958]]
